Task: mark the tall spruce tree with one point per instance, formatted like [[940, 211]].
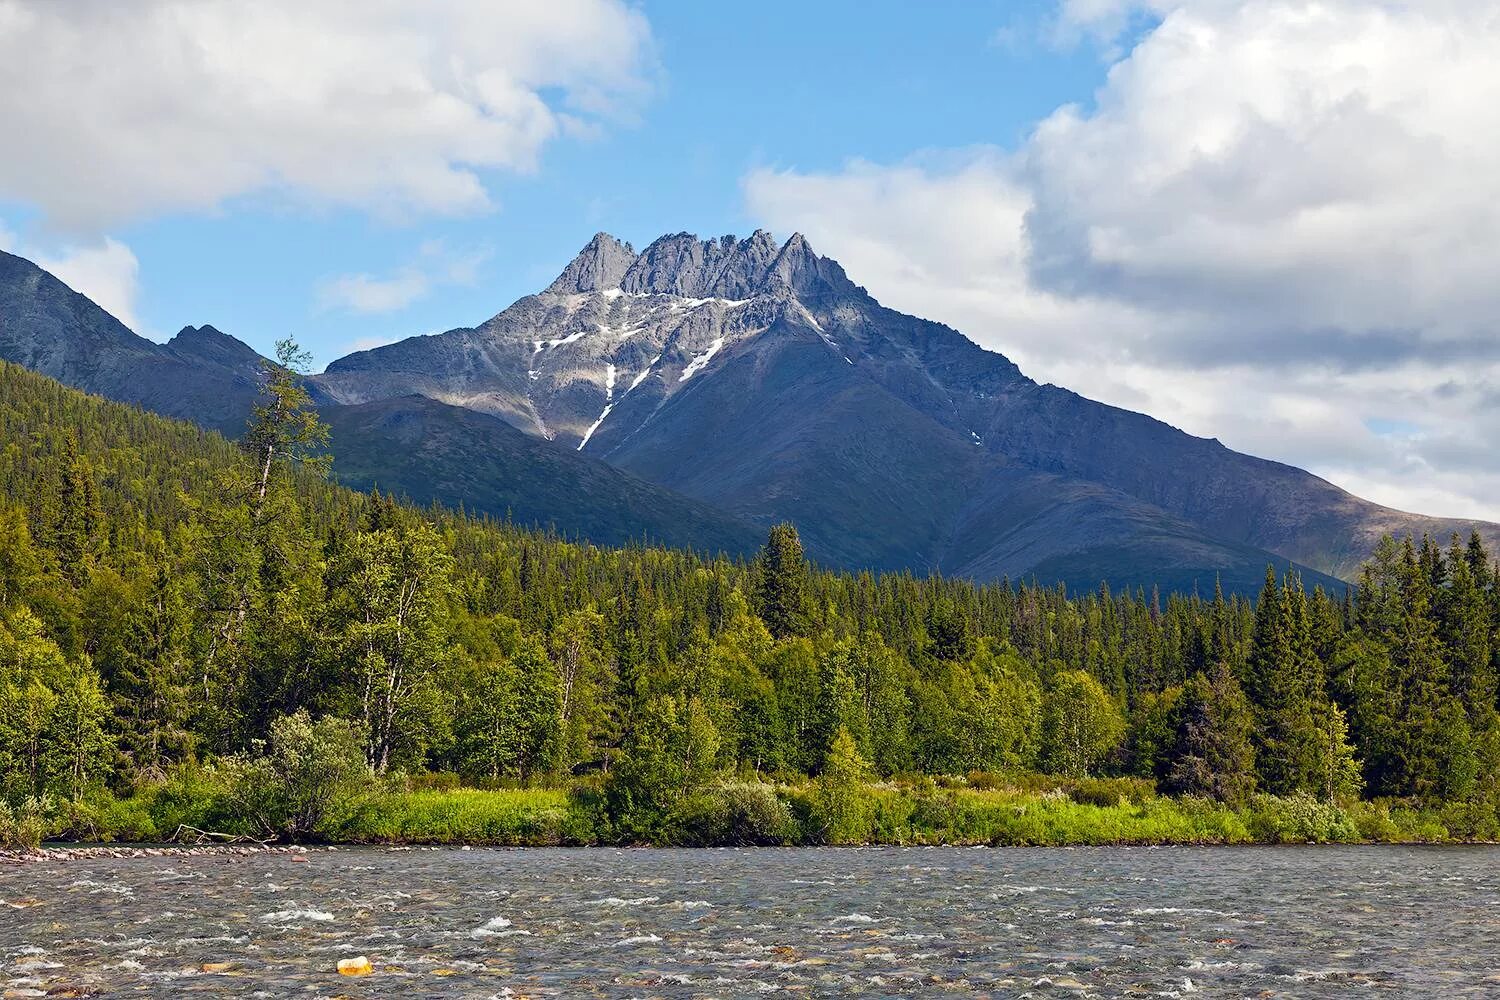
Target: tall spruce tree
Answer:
[[781, 590], [78, 525], [1212, 753]]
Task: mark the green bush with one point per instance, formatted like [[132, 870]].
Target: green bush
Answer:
[[843, 800], [1111, 791], [102, 817], [1475, 820], [739, 814], [22, 826], [587, 820], [1298, 819], [317, 770]]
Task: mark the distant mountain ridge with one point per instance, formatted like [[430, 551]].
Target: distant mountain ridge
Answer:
[[757, 379], [405, 445]]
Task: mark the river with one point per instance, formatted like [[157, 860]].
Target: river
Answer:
[[1243, 922]]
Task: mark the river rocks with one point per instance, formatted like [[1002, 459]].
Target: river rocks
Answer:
[[357, 966], [297, 852]]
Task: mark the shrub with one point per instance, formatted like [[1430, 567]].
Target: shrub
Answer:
[[1300, 818], [22, 826], [842, 802], [1111, 791], [739, 815], [305, 776], [100, 816]]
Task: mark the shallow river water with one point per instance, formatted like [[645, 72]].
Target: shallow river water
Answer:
[[1242, 922]]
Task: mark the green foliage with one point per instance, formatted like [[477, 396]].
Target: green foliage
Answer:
[[1300, 818], [782, 583], [737, 814], [1211, 752], [1081, 724], [670, 750], [307, 774], [842, 804], [53, 715], [23, 825], [176, 610]]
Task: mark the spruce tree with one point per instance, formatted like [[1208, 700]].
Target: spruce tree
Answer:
[[781, 591], [1212, 753], [78, 528]]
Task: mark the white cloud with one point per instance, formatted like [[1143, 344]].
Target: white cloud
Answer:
[[106, 271], [1276, 224], [119, 111], [435, 266]]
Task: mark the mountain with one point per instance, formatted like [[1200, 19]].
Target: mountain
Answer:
[[413, 446], [758, 377], [746, 382], [427, 450], [200, 374]]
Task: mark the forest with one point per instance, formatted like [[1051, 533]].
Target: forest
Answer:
[[204, 634]]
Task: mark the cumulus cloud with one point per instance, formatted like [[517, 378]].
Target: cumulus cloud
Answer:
[[1275, 223], [119, 111], [435, 266], [106, 271]]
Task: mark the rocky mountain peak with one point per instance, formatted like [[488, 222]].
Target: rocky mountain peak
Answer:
[[598, 266], [207, 343], [730, 268], [800, 270]]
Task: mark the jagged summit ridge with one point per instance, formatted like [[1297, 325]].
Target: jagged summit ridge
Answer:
[[682, 264], [598, 267]]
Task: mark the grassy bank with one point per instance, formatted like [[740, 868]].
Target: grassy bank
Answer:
[[1099, 812]]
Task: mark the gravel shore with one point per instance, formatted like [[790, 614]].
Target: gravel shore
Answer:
[[66, 853]]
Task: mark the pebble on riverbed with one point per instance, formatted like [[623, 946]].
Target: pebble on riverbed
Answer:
[[359, 966]]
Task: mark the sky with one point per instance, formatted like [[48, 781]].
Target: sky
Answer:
[[1273, 222]]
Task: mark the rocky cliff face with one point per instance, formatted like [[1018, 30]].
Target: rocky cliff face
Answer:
[[757, 379]]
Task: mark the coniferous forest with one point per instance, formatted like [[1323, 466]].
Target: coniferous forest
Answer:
[[204, 635]]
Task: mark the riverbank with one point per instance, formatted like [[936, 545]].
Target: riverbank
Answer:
[[1088, 813]]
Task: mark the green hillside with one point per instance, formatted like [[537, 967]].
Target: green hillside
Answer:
[[216, 633]]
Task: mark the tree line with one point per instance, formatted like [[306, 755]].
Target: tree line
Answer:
[[168, 597]]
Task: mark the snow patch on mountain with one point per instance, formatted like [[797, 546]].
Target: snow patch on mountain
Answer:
[[698, 363]]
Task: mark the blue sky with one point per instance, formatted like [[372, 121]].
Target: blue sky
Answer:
[[1267, 221], [777, 84]]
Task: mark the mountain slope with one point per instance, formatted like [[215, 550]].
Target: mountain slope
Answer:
[[429, 451], [201, 374], [413, 446]]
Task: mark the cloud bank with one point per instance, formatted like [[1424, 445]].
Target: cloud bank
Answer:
[[1275, 224], [124, 110]]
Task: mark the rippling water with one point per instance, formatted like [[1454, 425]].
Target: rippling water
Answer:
[[1326, 921]]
